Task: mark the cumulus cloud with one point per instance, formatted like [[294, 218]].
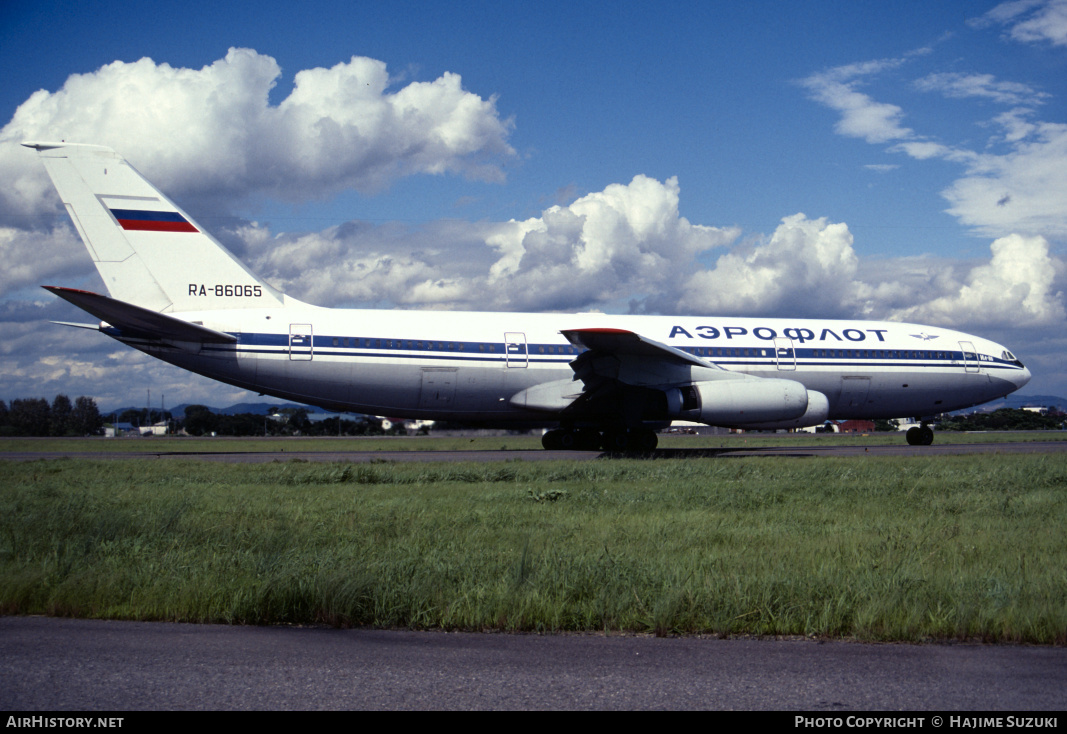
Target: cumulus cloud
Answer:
[[349, 265], [806, 268], [619, 243], [624, 241], [340, 128], [1018, 285]]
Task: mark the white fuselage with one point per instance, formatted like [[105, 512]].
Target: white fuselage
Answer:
[[466, 366]]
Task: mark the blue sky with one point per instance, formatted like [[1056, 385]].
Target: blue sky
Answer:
[[895, 160]]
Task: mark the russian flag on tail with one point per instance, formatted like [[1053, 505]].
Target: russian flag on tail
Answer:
[[137, 219]]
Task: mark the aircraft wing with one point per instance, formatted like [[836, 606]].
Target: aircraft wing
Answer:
[[620, 370], [628, 358], [139, 322], [624, 343]]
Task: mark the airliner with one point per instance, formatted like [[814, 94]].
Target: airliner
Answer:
[[596, 381]]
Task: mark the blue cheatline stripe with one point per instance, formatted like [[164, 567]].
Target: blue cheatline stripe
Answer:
[[494, 352], [499, 358]]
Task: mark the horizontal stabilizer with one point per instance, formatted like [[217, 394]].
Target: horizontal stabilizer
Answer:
[[139, 322], [77, 325]]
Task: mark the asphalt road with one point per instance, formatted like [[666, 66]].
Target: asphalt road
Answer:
[[66, 664]]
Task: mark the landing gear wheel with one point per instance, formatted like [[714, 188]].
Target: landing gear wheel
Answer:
[[571, 439], [552, 440], [587, 439], [645, 440], [615, 442], [926, 436], [920, 436]]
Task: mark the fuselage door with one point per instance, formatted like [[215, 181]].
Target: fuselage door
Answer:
[[854, 392], [784, 354], [438, 388], [300, 342], [515, 349], [970, 357]]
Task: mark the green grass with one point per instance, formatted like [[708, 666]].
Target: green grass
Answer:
[[871, 548]]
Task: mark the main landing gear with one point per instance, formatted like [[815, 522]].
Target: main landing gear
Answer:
[[920, 435], [614, 440]]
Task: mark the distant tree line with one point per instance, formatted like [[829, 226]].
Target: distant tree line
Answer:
[[200, 421], [1005, 419], [61, 417], [141, 416], [36, 417]]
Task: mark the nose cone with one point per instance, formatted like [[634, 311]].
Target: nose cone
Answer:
[[1021, 377]]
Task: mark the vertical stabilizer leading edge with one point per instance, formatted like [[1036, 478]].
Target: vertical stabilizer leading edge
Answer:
[[148, 251]]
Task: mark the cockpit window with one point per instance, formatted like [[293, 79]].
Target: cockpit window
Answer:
[[1009, 357]]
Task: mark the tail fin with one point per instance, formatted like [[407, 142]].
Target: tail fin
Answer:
[[148, 251]]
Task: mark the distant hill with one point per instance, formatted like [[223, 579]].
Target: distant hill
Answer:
[[1025, 401]]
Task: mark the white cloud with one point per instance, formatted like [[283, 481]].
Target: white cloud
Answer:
[[1015, 125], [1030, 21], [40, 258], [620, 243], [983, 86], [39, 359], [330, 268], [809, 268], [1017, 287], [1015, 185], [1020, 191], [212, 132], [861, 116], [623, 242], [806, 268]]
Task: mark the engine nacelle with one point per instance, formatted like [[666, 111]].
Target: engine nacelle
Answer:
[[740, 402], [816, 414]]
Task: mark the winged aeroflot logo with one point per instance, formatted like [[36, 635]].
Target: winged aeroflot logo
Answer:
[[924, 336]]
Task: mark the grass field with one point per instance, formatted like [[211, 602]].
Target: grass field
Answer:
[[956, 547]]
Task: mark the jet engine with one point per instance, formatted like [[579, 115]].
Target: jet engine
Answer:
[[816, 414], [747, 403]]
